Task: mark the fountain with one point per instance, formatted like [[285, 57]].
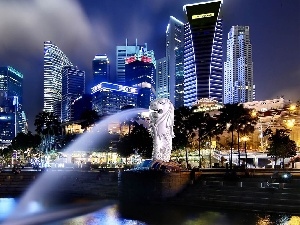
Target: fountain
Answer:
[[159, 177], [31, 207]]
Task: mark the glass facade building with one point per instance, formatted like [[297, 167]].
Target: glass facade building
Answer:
[[203, 52], [73, 86], [101, 69], [238, 68], [54, 62], [12, 118], [109, 98], [174, 41], [141, 74]]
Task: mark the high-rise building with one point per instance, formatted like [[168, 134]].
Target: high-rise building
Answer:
[[162, 78], [179, 77], [238, 68], [73, 86], [12, 119], [124, 52], [101, 69], [54, 62], [109, 98], [174, 41], [203, 52], [140, 73]]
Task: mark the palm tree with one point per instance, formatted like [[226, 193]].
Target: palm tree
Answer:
[[232, 118]]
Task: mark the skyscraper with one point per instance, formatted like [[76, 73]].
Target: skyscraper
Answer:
[[124, 52], [54, 62], [203, 52], [141, 74], [73, 86], [174, 41], [238, 68], [101, 69], [12, 118], [162, 78]]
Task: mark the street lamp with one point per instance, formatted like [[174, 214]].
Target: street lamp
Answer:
[[245, 139]]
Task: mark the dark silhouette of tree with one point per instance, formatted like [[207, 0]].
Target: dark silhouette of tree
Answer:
[[281, 145], [49, 128], [142, 140], [183, 130], [124, 147], [234, 117], [88, 118]]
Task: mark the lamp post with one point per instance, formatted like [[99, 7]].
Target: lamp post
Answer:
[[245, 139]]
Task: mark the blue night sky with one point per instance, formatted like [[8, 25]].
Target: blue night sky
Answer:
[[84, 28]]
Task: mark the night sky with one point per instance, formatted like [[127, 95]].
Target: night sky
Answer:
[[84, 28]]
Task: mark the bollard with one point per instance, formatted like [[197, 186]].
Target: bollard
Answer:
[[240, 184]]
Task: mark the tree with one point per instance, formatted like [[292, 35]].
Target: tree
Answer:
[[49, 128], [233, 117], [281, 145], [183, 129], [88, 118], [124, 147]]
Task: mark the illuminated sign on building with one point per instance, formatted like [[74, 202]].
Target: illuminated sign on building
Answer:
[[202, 16], [142, 59], [105, 86]]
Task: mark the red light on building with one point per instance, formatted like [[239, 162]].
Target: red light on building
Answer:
[[130, 59]]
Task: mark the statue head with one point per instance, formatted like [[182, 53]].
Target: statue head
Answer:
[[162, 108]]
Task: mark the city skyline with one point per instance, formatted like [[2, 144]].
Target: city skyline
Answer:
[[93, 27]]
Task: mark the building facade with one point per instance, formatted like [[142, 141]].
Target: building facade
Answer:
[[203, 52], [12, 119], [54, 62], [162, 78], [238, 68], [174, 41], [109, 98], [101, 69], [124, 52], [73, 86]]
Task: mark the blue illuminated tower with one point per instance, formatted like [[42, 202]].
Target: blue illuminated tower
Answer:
[[12, 118], [101, 69], [203, 52], [73, 86]]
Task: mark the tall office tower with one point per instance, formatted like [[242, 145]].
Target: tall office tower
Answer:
[[174, 41], [73, 86], [179, 77], [124, 52], [203, 52], [12, 118], [101, 69], [141, 74], [162, 78], [238, 68], [54, 62]]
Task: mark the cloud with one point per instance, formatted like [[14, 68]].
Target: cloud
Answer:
[[25, 25]]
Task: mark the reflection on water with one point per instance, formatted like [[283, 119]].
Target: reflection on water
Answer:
[[117, 214], [158, 215]]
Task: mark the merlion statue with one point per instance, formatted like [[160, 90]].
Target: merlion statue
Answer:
[[161, 128]]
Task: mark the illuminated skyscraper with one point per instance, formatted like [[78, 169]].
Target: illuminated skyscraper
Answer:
[[238, 68], [124, 52], [12, 118], [101, 69], [174, 41], [162, 79], [54, 62], [141, 74], [73, 86], [203, 52]]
